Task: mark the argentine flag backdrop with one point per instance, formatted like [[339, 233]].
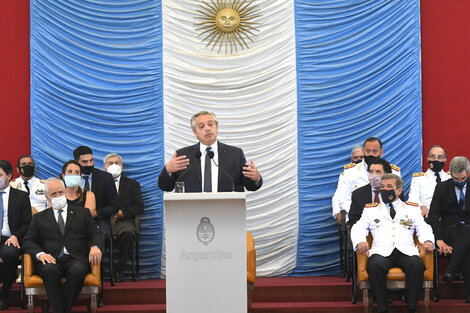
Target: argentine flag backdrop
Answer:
[[319, 77]]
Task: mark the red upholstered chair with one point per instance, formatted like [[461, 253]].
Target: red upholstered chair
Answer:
[[251, 267], [395, 276], [34, 285]]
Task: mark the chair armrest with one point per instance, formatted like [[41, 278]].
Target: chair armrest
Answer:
[[250, 258], [28, 266], [96, 270]]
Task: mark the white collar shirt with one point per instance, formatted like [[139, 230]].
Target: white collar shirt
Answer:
[[214, 169]]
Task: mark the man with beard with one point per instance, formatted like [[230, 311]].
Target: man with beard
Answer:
[[355, 176], [392, 224], [30, 183], [423, 183], [450, 219]]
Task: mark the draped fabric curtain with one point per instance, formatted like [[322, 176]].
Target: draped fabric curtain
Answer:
[[319, 77]]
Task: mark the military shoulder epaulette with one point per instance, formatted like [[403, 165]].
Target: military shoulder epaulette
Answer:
[[448, 172], [412, 203], [394, 167], [372, 205], [418, 174], [43, 181], [350, 165]]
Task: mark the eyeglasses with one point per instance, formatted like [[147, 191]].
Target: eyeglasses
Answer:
[[434, 157]]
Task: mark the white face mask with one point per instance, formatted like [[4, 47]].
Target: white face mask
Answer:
[[375, 181], [72, 180], [114, 170], [58, 202]]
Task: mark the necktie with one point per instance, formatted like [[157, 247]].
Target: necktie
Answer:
[[1, 209], [26, 186], [207, 172], [461, 199], [60, 221], [87, 183], [376, 195], [438, 178], [392, 211]]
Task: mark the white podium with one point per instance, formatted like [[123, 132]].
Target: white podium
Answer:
[[206, 252]]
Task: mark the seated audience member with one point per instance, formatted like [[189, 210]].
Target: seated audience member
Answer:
[[355, 176], [450, 219], [72, 175], [392, 224], [101, 184], [15, 213], [30, 183], [423, 183], [59, 239], [130, 205], [357, 155], [370, 192]]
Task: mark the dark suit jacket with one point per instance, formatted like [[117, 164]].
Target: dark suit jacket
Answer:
[[130, 203], [81, 232], [19, 213], [231, 159], [359, 198], [107, 201], [445, 213]]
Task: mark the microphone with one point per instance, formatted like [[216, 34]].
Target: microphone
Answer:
[[197, 156], [211, 156]]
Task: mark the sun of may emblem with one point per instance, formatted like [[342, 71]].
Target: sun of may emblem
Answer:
[[228, 23]]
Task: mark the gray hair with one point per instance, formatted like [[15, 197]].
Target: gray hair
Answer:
[[50, 180], [111, 155], [398, 180], [193, 118], [459, 164], [356, 148]]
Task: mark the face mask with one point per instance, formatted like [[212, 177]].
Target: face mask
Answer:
[[114, 170], [369, 158], [86, 170], [58, 202], [388, 195], [27, 170], [437, 166], [460, 184], [375, 181], [357, 161], [72, 180]]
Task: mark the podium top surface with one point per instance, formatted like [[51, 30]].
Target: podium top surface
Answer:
[[169, 196]]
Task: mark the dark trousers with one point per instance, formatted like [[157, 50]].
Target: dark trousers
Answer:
[[459, 239], [378, 267], [126, 235], [9, 255], [62, 297]]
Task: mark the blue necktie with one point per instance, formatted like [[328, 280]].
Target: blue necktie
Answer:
[[1, 209], [461, 199], [87, 183]]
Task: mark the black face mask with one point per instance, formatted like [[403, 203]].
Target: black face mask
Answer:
[[437, 166], [86, 170], [27, 170], [357, 161], [369, 158], [388, 196]]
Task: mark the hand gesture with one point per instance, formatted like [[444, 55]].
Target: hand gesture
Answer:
[[177, 163], [251, 171]]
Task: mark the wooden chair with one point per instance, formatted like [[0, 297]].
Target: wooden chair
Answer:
[[251, 267], [395, 276], [34, 285], [135, 248]]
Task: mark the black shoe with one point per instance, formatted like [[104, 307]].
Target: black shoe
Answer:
[[100, 301], [119, 276], [458, 276], [4, 303], [448, 276]]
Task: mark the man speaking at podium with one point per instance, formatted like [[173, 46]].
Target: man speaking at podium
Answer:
[[209, 165]]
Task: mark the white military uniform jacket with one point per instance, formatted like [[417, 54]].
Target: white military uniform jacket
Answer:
[[388, 234], [37, 194], [423, 185], [353, 177]]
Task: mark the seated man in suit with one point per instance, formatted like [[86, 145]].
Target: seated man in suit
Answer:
[[15, 216], [450, 219], [392, 224], [209, 166], [101, 184], [130, 205], [59, 239], [370, 192], [423, 183], [30, 183]]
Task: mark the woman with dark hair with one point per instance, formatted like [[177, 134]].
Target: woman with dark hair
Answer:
[[71, 175]]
